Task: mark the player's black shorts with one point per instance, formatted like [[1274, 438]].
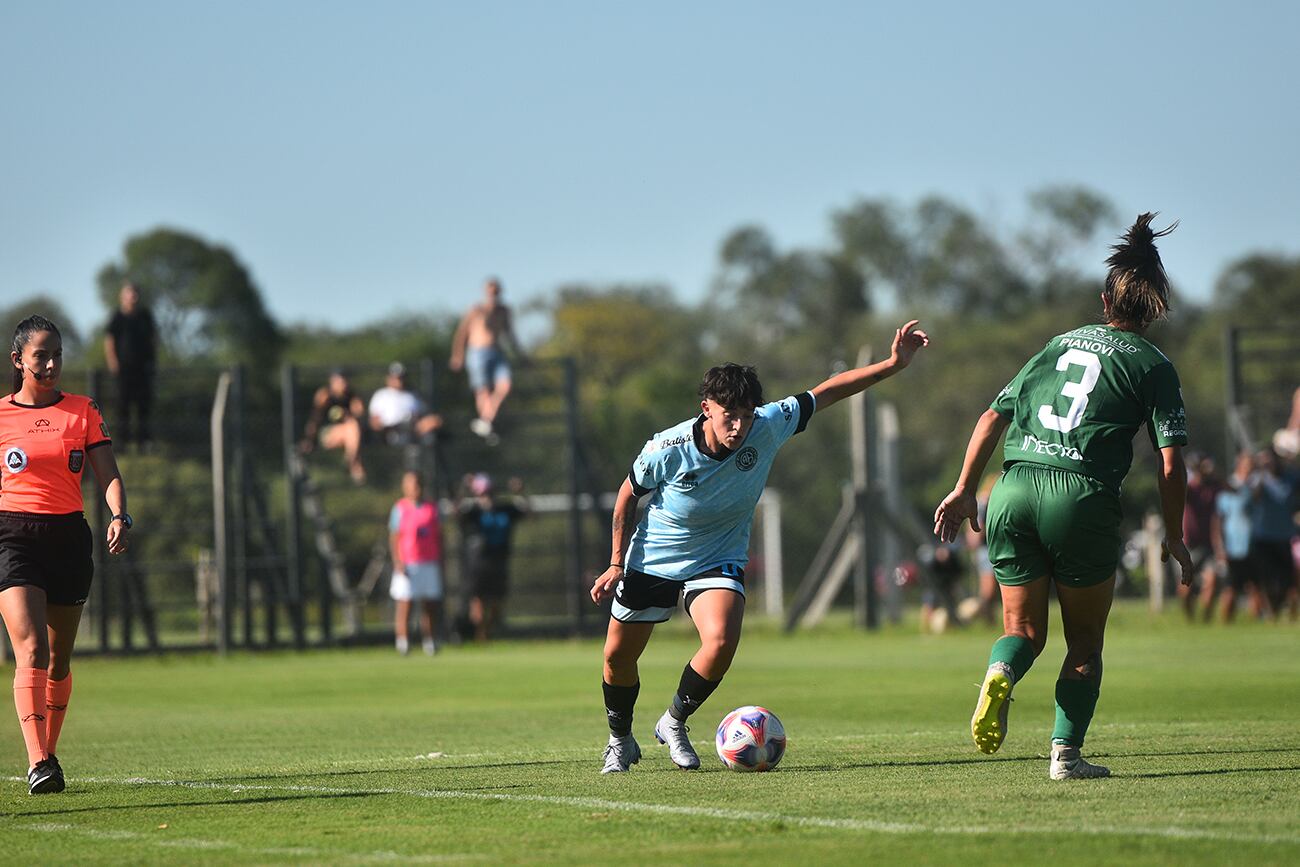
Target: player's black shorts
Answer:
[[52, 552], [488, 575], [1273, 565], [1239, 573], [642, 598]]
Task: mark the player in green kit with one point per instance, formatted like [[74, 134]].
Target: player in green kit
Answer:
[[1067, 421]]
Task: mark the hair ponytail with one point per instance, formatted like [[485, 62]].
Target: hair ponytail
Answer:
[[1137, 288], [33, 324]]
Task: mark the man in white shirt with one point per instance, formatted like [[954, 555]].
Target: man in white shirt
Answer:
[[396, 413]]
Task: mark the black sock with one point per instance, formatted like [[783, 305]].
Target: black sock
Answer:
[[692, 691], [619, 701]]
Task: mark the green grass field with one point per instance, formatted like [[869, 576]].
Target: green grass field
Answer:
[[491, 755]]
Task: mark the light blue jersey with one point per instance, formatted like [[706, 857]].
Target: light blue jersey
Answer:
[[700, 515]]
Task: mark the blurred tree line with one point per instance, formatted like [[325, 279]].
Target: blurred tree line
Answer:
[[989, 296]]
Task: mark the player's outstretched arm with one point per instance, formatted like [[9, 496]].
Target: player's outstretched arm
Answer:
[[961, 505], [624, 521], [1172, 480], [907, 340]]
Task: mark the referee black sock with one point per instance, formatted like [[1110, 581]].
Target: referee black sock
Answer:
[[692, 691], [619, 701]]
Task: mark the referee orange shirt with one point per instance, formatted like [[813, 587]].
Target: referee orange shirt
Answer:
[[44, 450]]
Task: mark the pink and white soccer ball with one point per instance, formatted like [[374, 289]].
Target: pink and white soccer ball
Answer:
[[750, 738]]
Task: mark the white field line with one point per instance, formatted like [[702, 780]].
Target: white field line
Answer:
[[764, 818], [161, 840]]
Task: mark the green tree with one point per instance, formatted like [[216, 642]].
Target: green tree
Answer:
[[49, 307], [202, 296], [1258, 288]]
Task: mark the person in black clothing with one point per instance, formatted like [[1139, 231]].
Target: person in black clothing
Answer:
[[487, 525], [337, 417], [131, 350]]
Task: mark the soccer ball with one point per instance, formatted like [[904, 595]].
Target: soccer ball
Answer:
[[750, 738]]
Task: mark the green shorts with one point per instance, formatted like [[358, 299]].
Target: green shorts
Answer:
[[1047, 521]]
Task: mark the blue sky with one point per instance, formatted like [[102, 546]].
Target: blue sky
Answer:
[[365, 159]]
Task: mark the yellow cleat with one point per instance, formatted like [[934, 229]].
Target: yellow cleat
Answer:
[[989, 724]]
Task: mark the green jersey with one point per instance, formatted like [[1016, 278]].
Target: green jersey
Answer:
[[1079, 402]]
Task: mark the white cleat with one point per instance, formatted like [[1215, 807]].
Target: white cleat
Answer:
[[673, 732], [1067, 764], [621, 754]]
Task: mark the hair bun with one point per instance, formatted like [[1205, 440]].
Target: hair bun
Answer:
[[1140, 234]]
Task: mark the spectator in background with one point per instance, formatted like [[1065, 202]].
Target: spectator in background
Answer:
[[1203, 488], [478, 348], [977, 543], [487, 525], [1286, 442], [415, 538], [1230, 536], [1271, 528], [131, 352], [397, 414], [939, 581], [337, 414]]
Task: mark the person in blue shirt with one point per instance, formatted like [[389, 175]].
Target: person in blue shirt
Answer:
[[1230, 537], [703, 478]]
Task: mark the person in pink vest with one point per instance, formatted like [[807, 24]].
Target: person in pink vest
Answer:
[[416, 542]]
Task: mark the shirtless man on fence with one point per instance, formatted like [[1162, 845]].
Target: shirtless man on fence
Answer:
[[478, 348]]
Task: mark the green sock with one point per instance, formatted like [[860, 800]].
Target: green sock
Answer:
[[1075, 702], [1016, 652]]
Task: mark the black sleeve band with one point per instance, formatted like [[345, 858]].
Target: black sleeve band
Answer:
[[98, 444], [806, 406], [636, 487]]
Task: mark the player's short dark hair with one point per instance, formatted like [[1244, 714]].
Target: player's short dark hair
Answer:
[[732, 386], [1137, 287], [33, 324]]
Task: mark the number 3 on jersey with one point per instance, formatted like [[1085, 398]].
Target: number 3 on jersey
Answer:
[[1077, 391]]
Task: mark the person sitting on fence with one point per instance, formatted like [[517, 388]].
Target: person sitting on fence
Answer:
[[1286, 441], [416, 542], [487, 525], [397, 414], [478, 348], [336, 423]]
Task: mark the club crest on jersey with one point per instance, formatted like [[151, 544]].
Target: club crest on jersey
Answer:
[[15, 460], [746, 459], [76, 458]]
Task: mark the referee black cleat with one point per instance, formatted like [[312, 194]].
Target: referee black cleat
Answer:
[[45, 777]]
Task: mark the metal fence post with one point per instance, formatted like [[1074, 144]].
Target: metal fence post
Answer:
[[95, 387], [292, 514], [239, 534], [219, 538], [576, 609]]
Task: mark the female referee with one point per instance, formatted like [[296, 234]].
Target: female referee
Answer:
[[706, 475], [47, 436], [1069, 417]]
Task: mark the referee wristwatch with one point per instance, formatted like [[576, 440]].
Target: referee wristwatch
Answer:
[[125, 518]]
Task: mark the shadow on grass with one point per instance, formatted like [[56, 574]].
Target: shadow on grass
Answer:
[[364, 772], [984, 760], [1244, 751], [44, 812], [1208, 772]]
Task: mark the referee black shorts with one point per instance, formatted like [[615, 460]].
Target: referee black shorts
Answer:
[[52, 552]]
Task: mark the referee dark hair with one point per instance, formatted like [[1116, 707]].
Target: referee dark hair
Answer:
[[47, 437]]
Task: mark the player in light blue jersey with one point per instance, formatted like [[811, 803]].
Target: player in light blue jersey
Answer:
[[704, 477]]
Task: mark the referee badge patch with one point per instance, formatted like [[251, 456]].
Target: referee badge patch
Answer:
[[15, 460], [76, 458]]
